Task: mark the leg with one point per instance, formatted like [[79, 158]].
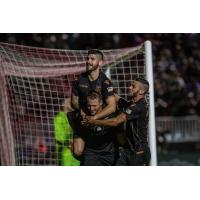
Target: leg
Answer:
[[107, 159], [90, 159], [121, 157], [79, 146], [142, 158]]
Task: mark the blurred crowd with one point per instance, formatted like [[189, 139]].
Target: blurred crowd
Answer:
[[176, 62]]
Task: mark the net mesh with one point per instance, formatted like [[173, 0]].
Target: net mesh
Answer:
[[34, 81]]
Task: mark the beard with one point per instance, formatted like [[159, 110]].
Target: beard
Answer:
[[93, 68], [132, 95]]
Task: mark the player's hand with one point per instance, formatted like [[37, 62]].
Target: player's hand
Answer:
[[82, 113], [84, 122], [90, 120], [87, 121]]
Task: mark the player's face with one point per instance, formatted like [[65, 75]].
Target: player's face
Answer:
[[134, 89], [93, 105], [92, 62]]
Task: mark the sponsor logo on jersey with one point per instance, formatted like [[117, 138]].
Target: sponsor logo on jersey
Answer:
[[83, 86]]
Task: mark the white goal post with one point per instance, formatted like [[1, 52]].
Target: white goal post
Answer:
[[34, 82], [152, 125]]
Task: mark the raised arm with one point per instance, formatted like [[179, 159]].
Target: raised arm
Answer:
[[117, 97]]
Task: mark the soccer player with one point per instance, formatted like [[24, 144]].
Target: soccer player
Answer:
[[135, 116], [92, 80], [99, 140], [63, 131]]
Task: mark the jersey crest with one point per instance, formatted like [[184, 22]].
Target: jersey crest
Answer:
[[110, 89], [128, 111], [99, 128]]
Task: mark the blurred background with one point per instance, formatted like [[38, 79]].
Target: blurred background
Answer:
[[176, 59]]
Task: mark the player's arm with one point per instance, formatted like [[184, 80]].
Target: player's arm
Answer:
[[110, 108], [117, 97], [75, 96], [75, 102], [109, 122]]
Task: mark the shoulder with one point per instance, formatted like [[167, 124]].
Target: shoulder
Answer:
[[142, 104], [82, 76], [123, 103], [103, 76], [137, 107], [105, 80]]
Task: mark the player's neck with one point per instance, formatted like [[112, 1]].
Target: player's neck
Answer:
[[94, 75], [137, 98]]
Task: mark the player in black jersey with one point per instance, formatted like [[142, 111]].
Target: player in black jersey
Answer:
[[135, 116], [99, 140], [92, 80]]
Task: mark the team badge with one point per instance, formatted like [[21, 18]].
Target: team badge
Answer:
[[128, 111], [110, 89], [99, 128]]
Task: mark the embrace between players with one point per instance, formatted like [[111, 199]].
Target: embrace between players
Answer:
[[109, 130]]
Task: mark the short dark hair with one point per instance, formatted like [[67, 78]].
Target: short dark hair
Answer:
[[96, 51], [144, 82], [94, 95]]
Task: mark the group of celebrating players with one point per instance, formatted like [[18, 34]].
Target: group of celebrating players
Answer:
[[107, 129]]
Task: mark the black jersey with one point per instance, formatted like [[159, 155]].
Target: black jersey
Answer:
[[136, 125], [83, 86], [100, 138], [123, 104]]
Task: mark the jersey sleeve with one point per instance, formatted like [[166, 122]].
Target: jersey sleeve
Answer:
[[133, 111], [107, 88], [122, 104]]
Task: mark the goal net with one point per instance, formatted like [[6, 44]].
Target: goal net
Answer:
[[34, 82]]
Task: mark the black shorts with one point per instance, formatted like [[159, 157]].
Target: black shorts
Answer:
[[142, 158], [127, 157], [92, 158]]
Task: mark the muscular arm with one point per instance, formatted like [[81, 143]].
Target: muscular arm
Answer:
[[110, 108], [117, 98], [75, 102], [109, 122]]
